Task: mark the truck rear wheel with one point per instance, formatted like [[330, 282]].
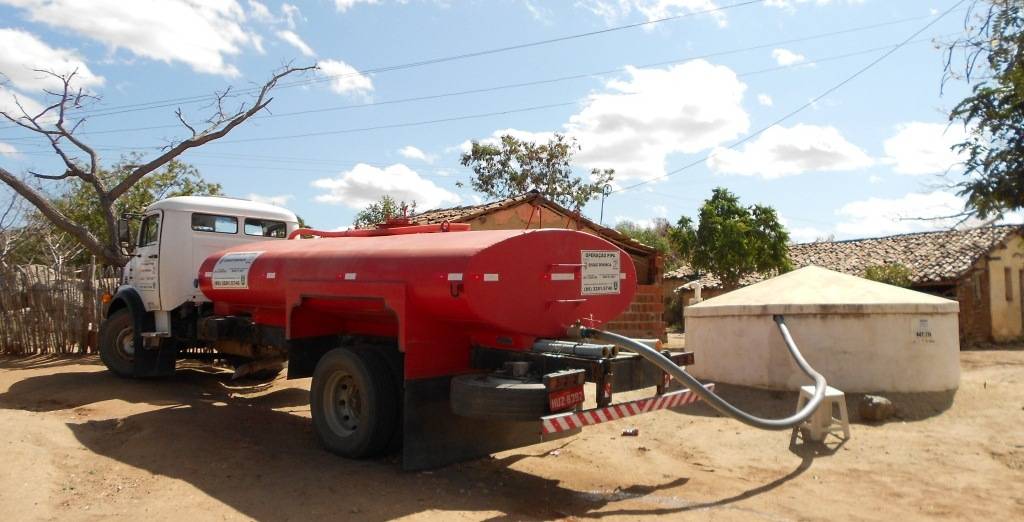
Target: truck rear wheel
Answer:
[[117, 343], [354, 403]]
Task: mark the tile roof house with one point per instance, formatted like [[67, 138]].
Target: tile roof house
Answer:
[[643, 319], [982, 268]]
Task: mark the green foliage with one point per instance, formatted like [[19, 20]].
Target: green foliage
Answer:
[[516, 167], [890, 273], [656, 236], [81, 205], [174, 179], [994, 62], [731, 240], [380, 211]]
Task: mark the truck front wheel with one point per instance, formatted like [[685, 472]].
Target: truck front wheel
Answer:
[[117, 343], [354, 403]]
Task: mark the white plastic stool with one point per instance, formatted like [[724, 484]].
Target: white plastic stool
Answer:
[[821, 422]]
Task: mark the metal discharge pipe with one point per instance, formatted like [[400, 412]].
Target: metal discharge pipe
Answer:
[[710, 397], [571, 348]]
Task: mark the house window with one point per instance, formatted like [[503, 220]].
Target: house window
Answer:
[[976, 279], [1008, 282]]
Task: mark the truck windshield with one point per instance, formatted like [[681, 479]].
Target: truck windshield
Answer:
[[212, 223], [265, 228]]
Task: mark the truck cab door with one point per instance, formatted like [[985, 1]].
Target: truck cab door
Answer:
[[145, 262]]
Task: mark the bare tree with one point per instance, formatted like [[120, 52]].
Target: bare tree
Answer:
[[82, 162], [12, 226]]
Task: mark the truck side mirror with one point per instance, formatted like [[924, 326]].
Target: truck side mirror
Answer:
[[124, 234]]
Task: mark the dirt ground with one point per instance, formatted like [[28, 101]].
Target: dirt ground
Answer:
[[80, 444]]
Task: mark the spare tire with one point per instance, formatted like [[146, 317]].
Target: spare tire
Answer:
[[489, 397]]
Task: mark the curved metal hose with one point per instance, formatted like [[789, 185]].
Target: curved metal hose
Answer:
[[710, 397]]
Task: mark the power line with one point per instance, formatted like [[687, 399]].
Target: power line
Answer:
[[543, 81], [422, 63], [482, 115], [803, 107]]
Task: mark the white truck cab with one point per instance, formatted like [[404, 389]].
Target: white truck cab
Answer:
[[177, 234]]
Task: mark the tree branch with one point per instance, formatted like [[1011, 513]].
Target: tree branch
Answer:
[[43, 204], [216, 131]]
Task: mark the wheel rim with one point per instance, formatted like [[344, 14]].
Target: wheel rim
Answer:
[[343, 403], [124, 344]]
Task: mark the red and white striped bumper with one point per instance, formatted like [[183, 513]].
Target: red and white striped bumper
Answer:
[[560, 422]]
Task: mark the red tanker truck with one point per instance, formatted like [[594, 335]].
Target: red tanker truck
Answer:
[[445, 342]]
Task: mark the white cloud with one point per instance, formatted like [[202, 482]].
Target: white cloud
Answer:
[[785, 151], [923, 148], [615, 10], [9, 100], [414, 153], [260, 12], [22, 55], [201, 34], [882, 216], [291, 13], [495, 138], [345, 5], [279, 200], [790, 5], [660, 210], [9, 150], [875, 179], [296, 41], [638, 122], [786, 57], [345, 79], [765, 100], [538, 12], [365, 184]]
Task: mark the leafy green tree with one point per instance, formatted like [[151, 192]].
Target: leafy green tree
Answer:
[[993, 60], [895, 274], [515, 167], [655, 236], [380, 211], [732, 240], [48, 244]]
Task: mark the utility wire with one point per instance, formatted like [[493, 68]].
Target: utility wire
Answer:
[[801, 108], [422, 63], [489, 89]]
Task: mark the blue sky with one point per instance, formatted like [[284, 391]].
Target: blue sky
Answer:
[[645, 100]]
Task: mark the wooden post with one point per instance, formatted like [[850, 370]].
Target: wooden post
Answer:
[[88, 307]]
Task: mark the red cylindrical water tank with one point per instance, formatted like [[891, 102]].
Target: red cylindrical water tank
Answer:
[[535, 282]]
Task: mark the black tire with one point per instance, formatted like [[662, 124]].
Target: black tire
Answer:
[[354, 403], [118, 357], [494, 398]]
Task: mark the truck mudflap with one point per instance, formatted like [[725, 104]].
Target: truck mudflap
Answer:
[[573, 421], [433, 436]]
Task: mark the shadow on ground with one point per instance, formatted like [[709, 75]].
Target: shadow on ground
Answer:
[[28, 362], [232, 442], [778, 404]]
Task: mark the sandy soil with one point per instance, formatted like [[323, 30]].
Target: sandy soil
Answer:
[[80, 444]]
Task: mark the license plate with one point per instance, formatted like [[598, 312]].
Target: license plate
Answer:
[[565, 399]]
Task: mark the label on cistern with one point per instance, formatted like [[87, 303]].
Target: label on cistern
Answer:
[[600, 272], [232, 270]]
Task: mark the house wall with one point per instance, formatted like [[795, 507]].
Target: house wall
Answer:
[[643, 319], [973, 292], [668, 287], [1004, 294]]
